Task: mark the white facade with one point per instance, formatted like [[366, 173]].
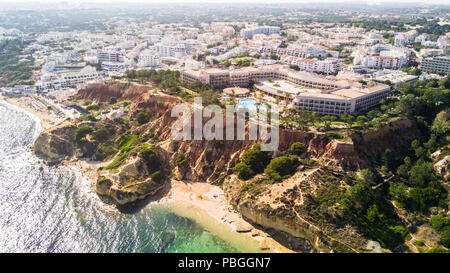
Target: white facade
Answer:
[[249, 32], [149, 59]]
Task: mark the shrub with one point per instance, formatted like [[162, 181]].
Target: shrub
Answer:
[[425, 197], [398, 192], [93, 107], [422, 174], [438, 222], [297, 148], [112, 100], [383, 227], [281, 167], [334, 135], [117, 162], [81, 132], [243, 171], [419, 243], [151, 158], [142, 118], [438, 250], [256, 159], [157, 176], [445, 236], [104, 151], [102, 134]]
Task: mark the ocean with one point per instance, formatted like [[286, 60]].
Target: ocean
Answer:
[[53, 209]]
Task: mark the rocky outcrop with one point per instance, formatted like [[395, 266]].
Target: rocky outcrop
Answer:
[[134, 180], [442, 167], [56, 144], [307, 240]]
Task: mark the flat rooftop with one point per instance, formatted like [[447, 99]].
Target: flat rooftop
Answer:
[[281, 87]]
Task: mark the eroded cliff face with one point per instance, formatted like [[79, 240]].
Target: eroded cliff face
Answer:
[[56, 144], [395, 135]]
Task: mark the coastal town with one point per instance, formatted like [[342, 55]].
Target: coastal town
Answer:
[[302, 65], [362, 93]]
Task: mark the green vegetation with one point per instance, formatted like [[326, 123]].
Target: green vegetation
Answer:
[[142, 118], [439, 222], [112, 100], [243, 62], [126, 142], [281, 167], [244, 171], [425, 26], [82, 132], [15, 65], [169, 82], [181, 159], [254, 161], [151, 157], [442, 225], [103, 134], [93, 107], [125, 154], [438, 250], [297, 148]]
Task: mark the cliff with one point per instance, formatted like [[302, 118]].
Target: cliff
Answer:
[[126, 176], [56, 144]]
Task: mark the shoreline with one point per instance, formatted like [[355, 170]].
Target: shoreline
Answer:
[[47, 118], [205, 204], [201, 202]]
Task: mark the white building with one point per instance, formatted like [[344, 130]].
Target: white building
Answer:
[[396, 77], [328, 66], [193, 64], [442, 42], [148, 58], [110, 56], [249, 32]]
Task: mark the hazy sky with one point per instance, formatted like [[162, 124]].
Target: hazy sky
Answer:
[[372, 2], [245, 1]]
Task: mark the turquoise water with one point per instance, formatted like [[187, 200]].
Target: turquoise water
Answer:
[[53, 209], [250, 104]]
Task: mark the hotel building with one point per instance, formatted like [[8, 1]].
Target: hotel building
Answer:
[[301, 89], [436, 65]]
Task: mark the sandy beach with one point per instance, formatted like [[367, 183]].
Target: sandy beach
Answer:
[[205, 204], [36, 107]]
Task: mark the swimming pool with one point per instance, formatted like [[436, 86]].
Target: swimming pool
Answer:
[[250, 104]]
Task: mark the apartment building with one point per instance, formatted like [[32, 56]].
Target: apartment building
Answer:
[[436, 65], [268, 30], [105, 56], [149, 59], [328, 66], [69, 79], [381, 62]]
